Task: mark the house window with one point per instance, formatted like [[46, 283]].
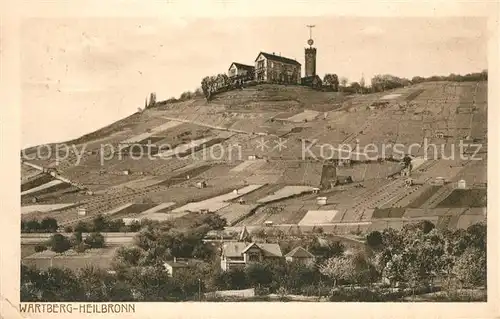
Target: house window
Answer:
[[260, 64], [272, 64], [253, 257]]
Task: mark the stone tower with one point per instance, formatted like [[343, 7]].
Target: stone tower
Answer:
[[310, 55], [310, 61]]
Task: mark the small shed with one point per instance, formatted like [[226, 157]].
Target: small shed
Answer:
[[343, 180], [82, 211], [130, 221], [321, 200], [439, 181], [461, 184], [173, 266], [268, 223], [126, 172], [201, 184], [405, 172]]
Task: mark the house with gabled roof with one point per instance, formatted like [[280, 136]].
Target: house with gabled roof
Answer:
[[240, 254], [241, 71], [173, 266], [277, 69], [300, 255]]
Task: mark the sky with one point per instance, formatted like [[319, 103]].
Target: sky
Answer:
[[79, 75]]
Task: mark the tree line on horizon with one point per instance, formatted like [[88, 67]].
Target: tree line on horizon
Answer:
[[211, 85]]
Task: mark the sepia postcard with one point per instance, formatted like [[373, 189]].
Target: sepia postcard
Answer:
[[191, 160]]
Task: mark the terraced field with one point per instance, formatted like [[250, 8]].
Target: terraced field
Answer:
[[465, 198], [101, 258], [442, 113]]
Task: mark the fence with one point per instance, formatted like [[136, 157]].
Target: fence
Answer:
[[245, 293]]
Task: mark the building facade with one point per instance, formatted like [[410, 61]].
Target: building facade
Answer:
[[300, 255], [240, 254], [277, 69], [241, 71], [173, 266]]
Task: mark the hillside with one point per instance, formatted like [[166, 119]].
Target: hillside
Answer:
[[256, 136]]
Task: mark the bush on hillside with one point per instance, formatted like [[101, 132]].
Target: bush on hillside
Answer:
[[30, 226], [214, 84], [135, 226], [81, 227], [374, 239], [49, 224], [46, 225], [80, 248], [95, 240], [59, 243], [39, 248], [76, 239]]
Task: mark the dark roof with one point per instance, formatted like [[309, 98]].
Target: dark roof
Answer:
[[242, 66], [278, 58], [311, 80], [272, 250], [299, 252], [236, 249]]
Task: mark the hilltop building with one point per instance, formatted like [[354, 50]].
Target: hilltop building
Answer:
[[310, 77], [275, 68], [240, 71]]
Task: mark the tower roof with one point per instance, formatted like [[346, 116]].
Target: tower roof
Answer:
[[299, 252], [244, 235]]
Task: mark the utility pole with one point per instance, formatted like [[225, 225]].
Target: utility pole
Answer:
[[199, 288]]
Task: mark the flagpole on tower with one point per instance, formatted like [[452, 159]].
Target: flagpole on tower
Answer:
[[310, 26]]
